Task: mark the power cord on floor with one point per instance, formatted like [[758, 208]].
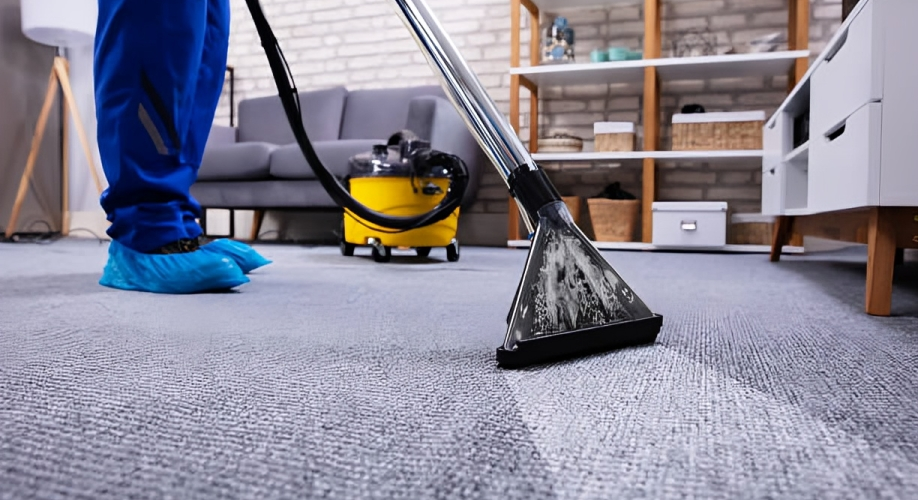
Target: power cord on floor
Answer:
[[44, 238], [41, 221], [39, 238], [102, 240]]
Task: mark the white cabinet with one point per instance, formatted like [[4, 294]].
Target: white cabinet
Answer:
[[860, 99]]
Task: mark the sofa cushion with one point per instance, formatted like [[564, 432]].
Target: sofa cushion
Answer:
[[236, 162], [262, 194], [262, 119], [288, 162], [380, 112]]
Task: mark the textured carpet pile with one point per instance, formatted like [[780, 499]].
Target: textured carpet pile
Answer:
[[334, 377]]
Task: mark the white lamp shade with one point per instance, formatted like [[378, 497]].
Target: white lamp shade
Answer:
[[61, 23]]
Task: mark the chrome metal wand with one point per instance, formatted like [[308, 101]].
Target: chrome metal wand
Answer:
[[492, 131]]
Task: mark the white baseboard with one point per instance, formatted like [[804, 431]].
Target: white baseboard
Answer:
[[89, 224]]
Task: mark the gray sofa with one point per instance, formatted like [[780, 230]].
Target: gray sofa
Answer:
[[258, 165]]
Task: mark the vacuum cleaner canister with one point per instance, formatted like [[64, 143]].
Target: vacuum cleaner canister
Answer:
[[397, 179]]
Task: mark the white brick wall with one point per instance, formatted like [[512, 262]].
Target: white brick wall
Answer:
[[363, 44]]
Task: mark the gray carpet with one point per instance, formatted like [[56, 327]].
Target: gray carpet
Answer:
[[333, 377]]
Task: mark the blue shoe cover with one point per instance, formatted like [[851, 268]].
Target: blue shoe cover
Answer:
[[178, 273], [245, 256]]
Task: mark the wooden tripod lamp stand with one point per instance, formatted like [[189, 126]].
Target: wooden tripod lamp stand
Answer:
[[62, 24]]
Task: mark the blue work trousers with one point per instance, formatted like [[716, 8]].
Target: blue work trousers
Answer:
[[159, 72]]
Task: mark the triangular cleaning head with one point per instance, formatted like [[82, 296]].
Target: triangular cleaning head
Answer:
[[570, 301]]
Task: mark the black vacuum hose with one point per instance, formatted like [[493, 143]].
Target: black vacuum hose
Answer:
[[287, 92]]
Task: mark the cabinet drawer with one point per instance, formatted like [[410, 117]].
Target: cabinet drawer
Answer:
[[773, 190], [775, 141], [690, 224], [850, 74], [844, 165]]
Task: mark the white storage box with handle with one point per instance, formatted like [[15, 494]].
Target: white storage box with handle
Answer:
[[690, 224]]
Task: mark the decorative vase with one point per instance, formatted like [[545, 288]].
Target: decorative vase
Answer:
[[559, 42]]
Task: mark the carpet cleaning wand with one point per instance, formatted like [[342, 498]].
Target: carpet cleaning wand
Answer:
[[569, 301]]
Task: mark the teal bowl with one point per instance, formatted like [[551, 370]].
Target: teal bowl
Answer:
[[618, 53]]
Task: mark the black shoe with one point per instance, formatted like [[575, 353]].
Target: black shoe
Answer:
[[185, 245]]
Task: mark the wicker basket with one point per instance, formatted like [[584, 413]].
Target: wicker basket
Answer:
[[613, 136], [614, 220], [573, 205], [718, 131], [750, 229], [560, 141]]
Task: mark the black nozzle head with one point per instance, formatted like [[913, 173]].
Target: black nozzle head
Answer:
[[533, 189], [570, 302]]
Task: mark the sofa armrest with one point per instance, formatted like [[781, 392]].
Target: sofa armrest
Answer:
[[221, 135], [436, 119]]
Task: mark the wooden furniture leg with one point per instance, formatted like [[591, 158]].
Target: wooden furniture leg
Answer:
[[513, 215], [33, 154], [881, 256], [535, 57], [513, 208], [202, 221], [784, 225], [798, 38], [65, 172], [60, 75], [63, 75], [257, 219], [651, 115]]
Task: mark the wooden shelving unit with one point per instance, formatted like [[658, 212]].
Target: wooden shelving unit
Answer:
[[670, 69], [651, 70], [641, 246], [754, 157]]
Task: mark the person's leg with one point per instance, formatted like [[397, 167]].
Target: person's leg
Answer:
[[147, 60], [211, 76]]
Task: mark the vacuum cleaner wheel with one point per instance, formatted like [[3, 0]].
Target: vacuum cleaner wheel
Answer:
[[422, 251], [347, 249], [382, 253], [452, 251]]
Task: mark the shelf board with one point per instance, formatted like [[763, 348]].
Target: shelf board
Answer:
[[797, 211], [637, 156], [639, 246], [669, 69], [553, 6], [800, 154], [556, 5]]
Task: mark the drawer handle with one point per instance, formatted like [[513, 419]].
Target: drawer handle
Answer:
[[835, 134], [689, 225], [838, 46]]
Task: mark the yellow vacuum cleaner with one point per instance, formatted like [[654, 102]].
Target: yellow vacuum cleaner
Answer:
[[400, 178]]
